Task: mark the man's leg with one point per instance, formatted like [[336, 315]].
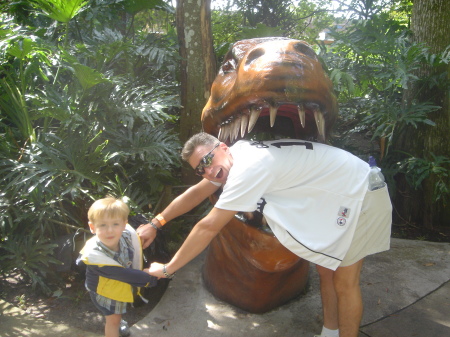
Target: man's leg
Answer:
[[329, 298], [350, 306]]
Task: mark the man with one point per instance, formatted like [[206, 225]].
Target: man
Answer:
[[314, 198]]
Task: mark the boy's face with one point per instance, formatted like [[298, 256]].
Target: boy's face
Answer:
[[109, 230]]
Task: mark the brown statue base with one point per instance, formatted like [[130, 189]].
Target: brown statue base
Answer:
[[251, 270]]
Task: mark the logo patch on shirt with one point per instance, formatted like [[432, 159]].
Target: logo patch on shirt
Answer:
[[341, 221], [344, 212]]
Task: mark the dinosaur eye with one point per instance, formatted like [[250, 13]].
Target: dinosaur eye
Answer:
[[228, 65], [306, 50]]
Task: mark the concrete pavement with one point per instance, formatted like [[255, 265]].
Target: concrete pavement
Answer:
[[406, 293]]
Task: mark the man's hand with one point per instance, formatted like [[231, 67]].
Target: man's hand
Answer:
[[147, 234]]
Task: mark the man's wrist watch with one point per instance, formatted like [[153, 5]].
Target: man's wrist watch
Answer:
[[154, 226], [166, 274]]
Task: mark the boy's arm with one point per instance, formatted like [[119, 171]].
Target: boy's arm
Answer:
[[135, 277]]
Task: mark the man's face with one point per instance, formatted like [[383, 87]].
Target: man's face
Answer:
[[213, 163]]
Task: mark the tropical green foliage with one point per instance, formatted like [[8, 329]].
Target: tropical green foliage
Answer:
[[89, 102], [371, 63], [60, 10], [418, 169], [81, 119], [245, 19], [30, 257]]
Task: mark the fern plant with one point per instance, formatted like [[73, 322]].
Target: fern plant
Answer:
[[101, 108], [31, 257], [379, 57], [418, 169]]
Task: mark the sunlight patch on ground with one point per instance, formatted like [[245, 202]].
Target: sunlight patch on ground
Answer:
[[213, 325]]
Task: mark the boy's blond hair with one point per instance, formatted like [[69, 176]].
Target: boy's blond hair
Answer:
[[108, 207]]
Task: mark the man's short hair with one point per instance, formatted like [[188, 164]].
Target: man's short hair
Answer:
[[108, 207], [199, 139]]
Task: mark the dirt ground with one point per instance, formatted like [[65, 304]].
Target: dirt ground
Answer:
[[72, 305]]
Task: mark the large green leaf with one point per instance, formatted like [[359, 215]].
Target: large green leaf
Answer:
[[135, 6], [60, 10], [87, 76], [21, 48], [14, 106]]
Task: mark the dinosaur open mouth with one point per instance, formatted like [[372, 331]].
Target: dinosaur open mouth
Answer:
[[264, 83], [300, 121]]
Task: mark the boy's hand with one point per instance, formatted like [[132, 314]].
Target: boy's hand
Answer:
[[147, 270], [156, 269]]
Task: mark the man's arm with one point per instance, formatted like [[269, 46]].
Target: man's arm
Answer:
[[186, 201], [199, 238]]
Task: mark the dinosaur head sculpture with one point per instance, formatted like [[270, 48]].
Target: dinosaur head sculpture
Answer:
[[275, 87], [270, 84]]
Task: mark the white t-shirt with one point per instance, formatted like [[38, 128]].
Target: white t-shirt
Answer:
[[310, 194]]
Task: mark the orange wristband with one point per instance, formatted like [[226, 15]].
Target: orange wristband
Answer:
[[161, 219]]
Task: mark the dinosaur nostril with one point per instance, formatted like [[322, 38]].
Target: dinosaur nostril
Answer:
[[253, 55], [306, 50]]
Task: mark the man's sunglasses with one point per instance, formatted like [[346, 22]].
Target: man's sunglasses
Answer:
[[205, 162]]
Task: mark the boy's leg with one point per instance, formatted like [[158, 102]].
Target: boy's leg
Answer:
[[348, 291], [329, 298], [112, 325]]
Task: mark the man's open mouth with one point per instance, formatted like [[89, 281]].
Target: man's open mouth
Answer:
[[219, 174]]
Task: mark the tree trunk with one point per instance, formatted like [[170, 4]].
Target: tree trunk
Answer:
[[198, 67], [430, 25]]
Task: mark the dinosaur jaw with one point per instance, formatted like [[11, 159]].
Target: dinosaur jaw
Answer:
[[299, 120]]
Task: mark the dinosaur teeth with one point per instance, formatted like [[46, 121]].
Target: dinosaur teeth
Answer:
[[273, 115], [238, 125], [224, 132], [301, 114], [320, 122], [235, 128], [244, 124], [254, 114]]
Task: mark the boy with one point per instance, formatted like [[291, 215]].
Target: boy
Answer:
[[114, 262]]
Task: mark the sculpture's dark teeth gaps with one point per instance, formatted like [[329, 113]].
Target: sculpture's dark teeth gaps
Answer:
[[242, 123]]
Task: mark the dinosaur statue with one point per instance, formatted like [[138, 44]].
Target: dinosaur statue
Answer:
[[274, 86]]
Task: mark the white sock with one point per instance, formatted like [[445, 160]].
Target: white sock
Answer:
[[329, 333]]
